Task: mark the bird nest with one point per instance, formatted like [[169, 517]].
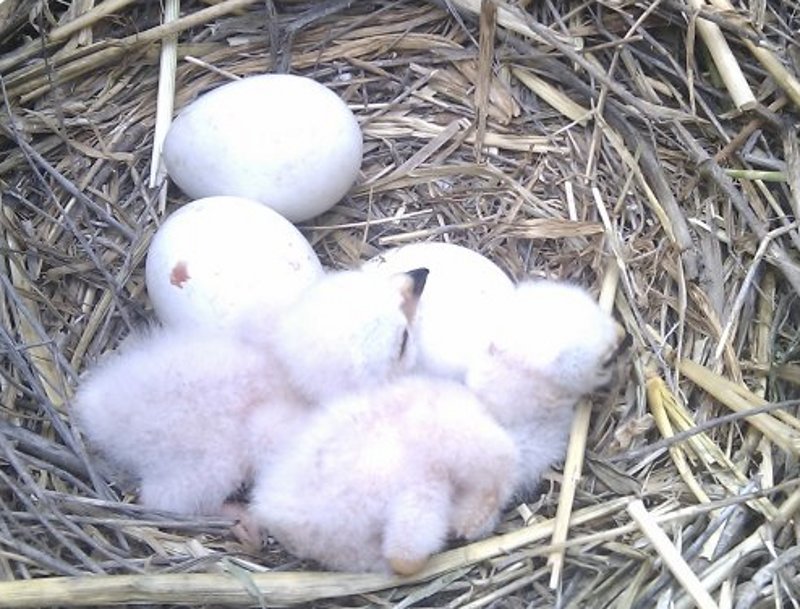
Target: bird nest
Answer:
[[645, 150]]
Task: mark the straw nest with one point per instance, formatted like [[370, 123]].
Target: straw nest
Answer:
[[645, 150]]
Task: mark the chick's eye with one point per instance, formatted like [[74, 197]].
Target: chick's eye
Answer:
[[403, 343]]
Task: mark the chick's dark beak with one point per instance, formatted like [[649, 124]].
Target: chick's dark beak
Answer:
[[418, 277], [413, 284]]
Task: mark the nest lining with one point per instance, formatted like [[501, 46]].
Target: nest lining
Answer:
[[596, 142]]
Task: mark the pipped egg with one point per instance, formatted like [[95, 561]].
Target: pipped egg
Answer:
[[284, 140], [463, 292], [216, 259]]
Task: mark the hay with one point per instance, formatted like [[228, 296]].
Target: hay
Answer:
[[593, 141]]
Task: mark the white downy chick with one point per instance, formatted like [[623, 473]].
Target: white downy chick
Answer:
[[352, 331], [550, 346], [381, 478], [168, 407], [186, 410], [463, 290]]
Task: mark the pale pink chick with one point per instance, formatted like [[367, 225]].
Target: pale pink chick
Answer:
[[549, 346], [349, 330], [381, 478], [188, 410], [169, 406]]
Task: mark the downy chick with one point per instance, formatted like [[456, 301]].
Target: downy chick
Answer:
[[550, 346], [381, 478], [186, 411], [351, 330]]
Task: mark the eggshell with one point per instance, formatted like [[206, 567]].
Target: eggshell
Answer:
[[286, 141], [463, 291], [216, 259]]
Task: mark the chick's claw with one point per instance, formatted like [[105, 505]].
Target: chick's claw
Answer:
[[406, 566], [245, 528], [475, 515]]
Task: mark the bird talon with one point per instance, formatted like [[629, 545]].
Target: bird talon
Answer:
[[406, 566]]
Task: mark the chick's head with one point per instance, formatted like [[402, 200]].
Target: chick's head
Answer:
[[552, 343], [351, 330]]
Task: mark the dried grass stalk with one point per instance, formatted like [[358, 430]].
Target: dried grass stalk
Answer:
[[458, 148], [573, 463], [488, 26], [740, 399], [725, 566], [561, 102], [657, 395], [165, 100], [670, 555], [273, 588], [726, 63], [785, 79]]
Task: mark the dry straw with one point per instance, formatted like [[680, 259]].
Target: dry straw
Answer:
[[598, 142]]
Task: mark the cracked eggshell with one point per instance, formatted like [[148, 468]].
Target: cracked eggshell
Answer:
[[286, 141], [215, 259], [463, 292]]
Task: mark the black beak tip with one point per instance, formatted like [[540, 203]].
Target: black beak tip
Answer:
[[419, 277]]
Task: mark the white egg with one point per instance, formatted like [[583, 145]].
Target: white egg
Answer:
[[286, 141], [216, 259], [463, 292]]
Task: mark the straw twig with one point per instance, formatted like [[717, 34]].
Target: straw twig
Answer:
[[573, 464], [62, 32], [578, 142], [789, 268], [723, 566], [273, 588], [681, 436], [739, 399], [785, 79], [670, 555], [726, 63], [166, 97], [488, 24], [32, 82]]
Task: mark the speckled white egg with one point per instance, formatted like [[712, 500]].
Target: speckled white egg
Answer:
[[463, 292], [216, 259], [286, 141]]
